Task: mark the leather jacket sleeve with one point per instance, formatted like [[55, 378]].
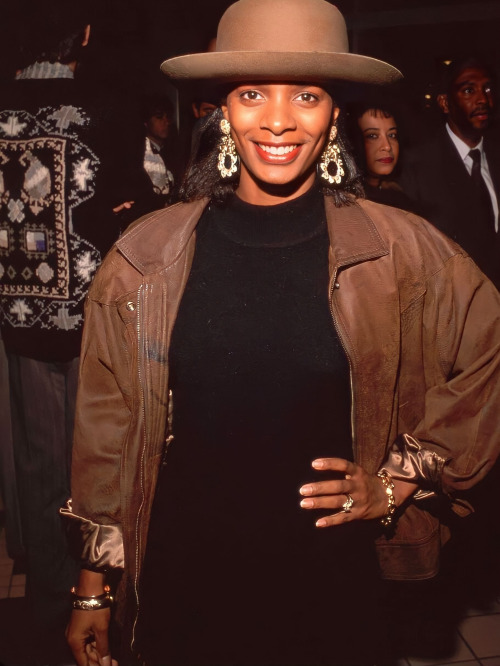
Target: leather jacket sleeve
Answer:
[[103, 419], [457, 440], [409, 461], [100, 547]]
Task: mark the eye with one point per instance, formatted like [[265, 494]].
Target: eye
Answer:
[[251, 95], [307, 97], [371, 136], [468, 90], [393, 136]]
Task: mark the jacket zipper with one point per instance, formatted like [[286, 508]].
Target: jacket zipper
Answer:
[[136, 581], [168, 440], [335, 285]]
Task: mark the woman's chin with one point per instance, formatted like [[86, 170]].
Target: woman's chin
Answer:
[[281, 185]]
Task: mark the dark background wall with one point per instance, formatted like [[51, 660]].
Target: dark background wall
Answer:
[[130, 38]]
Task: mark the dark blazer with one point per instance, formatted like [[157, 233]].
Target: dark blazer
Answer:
[[437, 182]]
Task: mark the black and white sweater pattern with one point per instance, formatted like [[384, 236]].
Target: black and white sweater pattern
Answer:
[[50, 246]]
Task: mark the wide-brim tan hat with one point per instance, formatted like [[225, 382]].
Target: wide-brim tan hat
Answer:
[[292, 40]]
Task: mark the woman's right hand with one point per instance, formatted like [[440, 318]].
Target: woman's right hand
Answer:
[[87, 632], [87, 637]]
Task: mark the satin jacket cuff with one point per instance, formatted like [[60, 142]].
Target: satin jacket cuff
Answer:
[[100, 547], [408, 460]]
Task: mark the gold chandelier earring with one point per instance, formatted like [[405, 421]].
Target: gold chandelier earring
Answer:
[[331, 165], [228, 159]]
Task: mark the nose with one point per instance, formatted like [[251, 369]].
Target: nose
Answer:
[[481, 96], [277, 116], [385, 144]]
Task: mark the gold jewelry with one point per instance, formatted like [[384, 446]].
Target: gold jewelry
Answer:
[[391, 502], [228, 159], [332, 161], [95, 602], [348, 504]]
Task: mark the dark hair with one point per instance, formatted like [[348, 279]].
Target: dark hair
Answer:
[[450, 73], [202, 177], [53, 31], [378, 108], [154, 103]]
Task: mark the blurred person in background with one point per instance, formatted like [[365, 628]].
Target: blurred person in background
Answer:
[[150, 183], [60, 160], [157, 112], [375, 136], [454, 177]]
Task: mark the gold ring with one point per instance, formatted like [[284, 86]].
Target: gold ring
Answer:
[[348, 504]]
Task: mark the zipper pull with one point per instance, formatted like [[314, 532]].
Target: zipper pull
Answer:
[[170, 435]]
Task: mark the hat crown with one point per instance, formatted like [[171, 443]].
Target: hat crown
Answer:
[[281, 40], [282, 25]]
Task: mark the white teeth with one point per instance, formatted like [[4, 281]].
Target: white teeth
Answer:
[[273, 150]]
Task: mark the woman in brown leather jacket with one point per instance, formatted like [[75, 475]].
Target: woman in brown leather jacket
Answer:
[[274, 377]]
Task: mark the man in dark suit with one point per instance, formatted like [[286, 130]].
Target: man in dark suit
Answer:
[[454, 179]]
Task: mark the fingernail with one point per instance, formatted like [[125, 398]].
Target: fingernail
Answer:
[[318, 464], [306, 490], [307, 503], [321, 522]]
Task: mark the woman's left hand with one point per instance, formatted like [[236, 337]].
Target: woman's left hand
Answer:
[[369, 496]]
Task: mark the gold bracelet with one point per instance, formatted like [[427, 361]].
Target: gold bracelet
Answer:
[[391, 501], [95, 602]]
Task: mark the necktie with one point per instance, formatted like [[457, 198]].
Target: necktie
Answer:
[[481, 188]]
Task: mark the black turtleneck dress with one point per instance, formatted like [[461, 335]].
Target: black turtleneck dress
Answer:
[[235, 571]]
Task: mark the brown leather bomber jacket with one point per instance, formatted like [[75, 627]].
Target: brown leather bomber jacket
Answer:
[[420, 325]]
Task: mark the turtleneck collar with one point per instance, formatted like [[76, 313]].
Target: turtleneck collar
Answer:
[[280, 225]]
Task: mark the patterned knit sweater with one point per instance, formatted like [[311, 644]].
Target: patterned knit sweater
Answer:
[[57, 182]]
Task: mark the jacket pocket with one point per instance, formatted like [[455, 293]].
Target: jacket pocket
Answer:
[[413, 551]]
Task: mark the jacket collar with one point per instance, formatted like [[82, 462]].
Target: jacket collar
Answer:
[[353, 236], [145, 246]]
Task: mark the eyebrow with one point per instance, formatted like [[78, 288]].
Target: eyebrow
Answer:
[[370, 129], [468, 82]]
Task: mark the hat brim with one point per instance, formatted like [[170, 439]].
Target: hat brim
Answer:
[[280, 66]]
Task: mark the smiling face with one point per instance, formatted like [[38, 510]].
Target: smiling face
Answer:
[[380, 136], [469, 105], [280, 131]]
